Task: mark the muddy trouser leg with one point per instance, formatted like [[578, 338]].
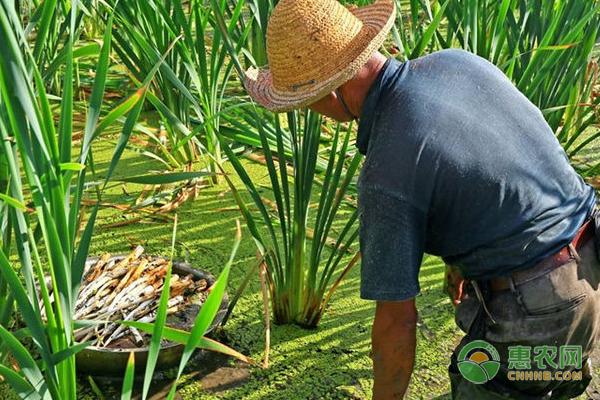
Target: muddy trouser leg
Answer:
[[559, 308]]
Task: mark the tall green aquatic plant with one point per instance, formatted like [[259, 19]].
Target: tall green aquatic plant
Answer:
[[190, 87], [257, 19], [42, 199], [51, 22], [6, 298], [306, 257], [416, 28], [41, 187]]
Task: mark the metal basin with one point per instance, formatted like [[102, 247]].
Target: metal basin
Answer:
[[100, 361]]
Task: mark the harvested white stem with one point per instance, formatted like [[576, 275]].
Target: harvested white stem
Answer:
[[98, 268], [93, 300], [132, 316], [134, 290], [175, 301], [90, 285], [122, 283], [90, 290], [137, 252], [104, 314], [139, 340], [129, 289]]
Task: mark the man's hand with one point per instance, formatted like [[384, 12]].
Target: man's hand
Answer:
[[393, 341], [454, 285]]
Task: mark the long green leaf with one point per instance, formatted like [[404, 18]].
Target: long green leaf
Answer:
[[183, 337], [207, 313], [64, 354], [133, 117], [161, 179], [160, 321], [27, 364], [11, 201], [18, 384], [127, 389]]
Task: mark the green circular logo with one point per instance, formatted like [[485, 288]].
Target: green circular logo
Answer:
[[478, 362]]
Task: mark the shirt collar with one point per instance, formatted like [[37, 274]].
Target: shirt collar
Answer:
[[369, 106]]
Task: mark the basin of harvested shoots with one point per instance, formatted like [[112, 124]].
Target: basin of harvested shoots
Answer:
[[128, 287]]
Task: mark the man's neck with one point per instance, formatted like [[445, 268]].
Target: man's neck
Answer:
[[355, 90]]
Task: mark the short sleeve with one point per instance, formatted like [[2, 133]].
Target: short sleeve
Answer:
[[392, 240]]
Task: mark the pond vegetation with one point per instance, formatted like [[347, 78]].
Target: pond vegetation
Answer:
[[125, 123]]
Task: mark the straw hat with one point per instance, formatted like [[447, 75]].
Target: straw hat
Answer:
[[315, 46]]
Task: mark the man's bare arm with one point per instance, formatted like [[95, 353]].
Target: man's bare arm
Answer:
[[393, 341]]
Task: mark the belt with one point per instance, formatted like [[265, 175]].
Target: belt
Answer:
[[585, 233]]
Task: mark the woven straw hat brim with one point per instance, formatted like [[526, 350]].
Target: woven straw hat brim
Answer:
[[377, 18]]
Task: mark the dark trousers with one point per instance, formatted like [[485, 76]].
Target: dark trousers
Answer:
[[556, 309]]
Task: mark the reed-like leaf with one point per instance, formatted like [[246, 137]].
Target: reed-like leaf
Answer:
[[160, 321], [165, 178], [298, 270], [127, 390], [207, 313], [183, 337]]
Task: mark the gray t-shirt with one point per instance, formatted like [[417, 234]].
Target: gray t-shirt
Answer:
[[461, 165]]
